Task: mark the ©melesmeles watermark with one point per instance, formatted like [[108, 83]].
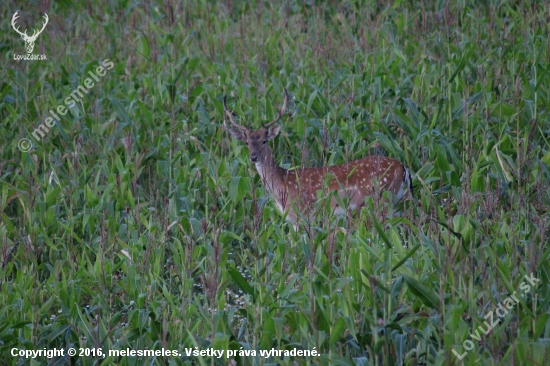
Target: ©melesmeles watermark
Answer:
[[70, 101]]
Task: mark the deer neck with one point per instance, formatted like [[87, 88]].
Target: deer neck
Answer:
[[271, 174]]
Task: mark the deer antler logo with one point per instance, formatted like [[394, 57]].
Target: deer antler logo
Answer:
[[29, 40]]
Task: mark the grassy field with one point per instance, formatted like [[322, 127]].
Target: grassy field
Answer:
[[136, 222]]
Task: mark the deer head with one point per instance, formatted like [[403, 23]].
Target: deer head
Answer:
[[29, 40], [256, 139]]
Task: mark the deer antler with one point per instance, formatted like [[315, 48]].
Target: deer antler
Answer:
[[36, 33], [13, 20], [24, 34], [232, 114], [281, 112]]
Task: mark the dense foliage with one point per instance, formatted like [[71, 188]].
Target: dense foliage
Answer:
[[136, 222]]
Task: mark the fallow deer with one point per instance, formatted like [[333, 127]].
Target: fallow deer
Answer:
[[294, 191]]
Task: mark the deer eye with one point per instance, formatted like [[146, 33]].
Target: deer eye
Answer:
[[264, 142]]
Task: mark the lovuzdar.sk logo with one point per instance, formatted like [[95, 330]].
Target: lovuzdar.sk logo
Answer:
[[29, 40]]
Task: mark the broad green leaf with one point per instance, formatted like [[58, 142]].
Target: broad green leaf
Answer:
[[240, 281], [423, 292]]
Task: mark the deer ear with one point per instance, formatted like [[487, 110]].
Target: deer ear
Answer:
[[237, 133], [272, 132]]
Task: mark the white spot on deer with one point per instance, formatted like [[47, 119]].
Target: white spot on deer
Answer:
[[259, 169], [279, 206]]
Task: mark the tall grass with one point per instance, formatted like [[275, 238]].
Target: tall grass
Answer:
[[136, 222]]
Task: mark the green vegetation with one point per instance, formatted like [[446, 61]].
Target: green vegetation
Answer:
[[138, 223]]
